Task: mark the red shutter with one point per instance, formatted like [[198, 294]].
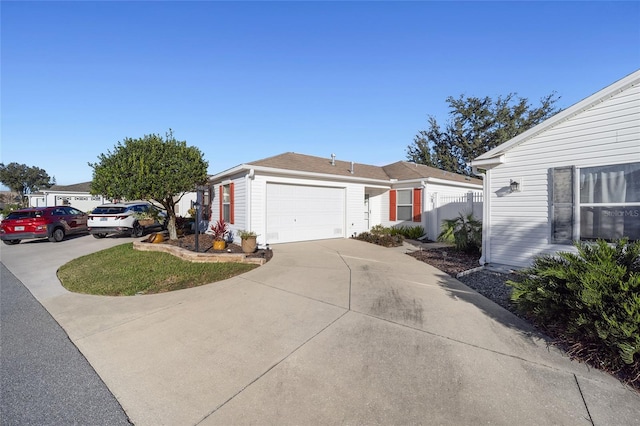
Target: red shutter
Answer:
[[221, 196], [231, 204], [392, 205], [417, 204]]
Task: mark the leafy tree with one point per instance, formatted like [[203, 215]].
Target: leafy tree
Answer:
[[476, 126], [23, 179], [150, 168]]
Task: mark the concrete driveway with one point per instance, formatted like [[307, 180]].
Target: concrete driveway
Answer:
[[328, 332]]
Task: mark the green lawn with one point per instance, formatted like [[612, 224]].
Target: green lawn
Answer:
[[123, 271]]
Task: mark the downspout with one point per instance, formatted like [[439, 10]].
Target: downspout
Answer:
[[249, 179], [423, 213], [486, 217]]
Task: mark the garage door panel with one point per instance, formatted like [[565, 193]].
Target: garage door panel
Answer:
[[302, 213]]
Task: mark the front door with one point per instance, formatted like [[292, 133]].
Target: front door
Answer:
[[366, 211]]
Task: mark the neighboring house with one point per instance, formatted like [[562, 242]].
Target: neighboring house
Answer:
[[77, 195], [7, 198], [295, 197], [577, 176]]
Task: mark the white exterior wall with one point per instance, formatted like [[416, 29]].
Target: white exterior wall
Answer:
[[354, 202], [83, 201], [519, 223], [185, 203], [252, 215], [430, 219], [36, 201], [239, 204], [378, 207], [435, 212]]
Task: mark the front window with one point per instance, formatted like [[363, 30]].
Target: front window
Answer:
[[610, 202], [404, 205], [226, 203]]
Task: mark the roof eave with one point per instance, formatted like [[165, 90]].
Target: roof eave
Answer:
[[588, 102], [487, 163], [273, 170]]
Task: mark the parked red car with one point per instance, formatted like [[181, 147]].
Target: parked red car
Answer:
[[53, 223]]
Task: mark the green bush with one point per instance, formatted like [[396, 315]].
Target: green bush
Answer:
[[382, 236], [8, 208], [410, 232], [591, 298], [380, 230], [464, 231]]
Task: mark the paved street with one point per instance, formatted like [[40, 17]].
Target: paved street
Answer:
[[44, 379]]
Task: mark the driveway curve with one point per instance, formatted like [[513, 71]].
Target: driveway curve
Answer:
[[328, 332]]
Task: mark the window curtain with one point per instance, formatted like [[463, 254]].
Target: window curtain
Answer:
[[607, 185]]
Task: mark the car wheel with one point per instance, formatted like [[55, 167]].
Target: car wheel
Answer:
[[57, 235], [11, 242], [137, 231], [99, 236]]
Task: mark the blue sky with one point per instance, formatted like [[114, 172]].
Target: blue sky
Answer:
[[247, 80]]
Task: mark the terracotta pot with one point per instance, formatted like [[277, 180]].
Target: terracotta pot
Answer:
[[249, 244], [156, 238], [219, 244]]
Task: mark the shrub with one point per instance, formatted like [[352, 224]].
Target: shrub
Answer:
[[592, 299], [464, 231], [219, 230], [380, 230], [410, 232], [8, 208], [382, 236]]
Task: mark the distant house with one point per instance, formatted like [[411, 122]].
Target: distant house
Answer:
[[77, 195], [296, 197], [576, 176]]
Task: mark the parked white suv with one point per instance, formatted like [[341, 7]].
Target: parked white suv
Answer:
[[124, 218]]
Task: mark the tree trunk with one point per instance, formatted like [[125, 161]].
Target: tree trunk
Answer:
[[170, 206]]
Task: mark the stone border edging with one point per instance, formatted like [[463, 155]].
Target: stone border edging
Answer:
[[194, 257], [469, 271]]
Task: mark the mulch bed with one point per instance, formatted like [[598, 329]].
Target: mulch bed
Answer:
[[205, 245], [448, 260]]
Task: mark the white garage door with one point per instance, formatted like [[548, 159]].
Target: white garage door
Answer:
[[302, 213]]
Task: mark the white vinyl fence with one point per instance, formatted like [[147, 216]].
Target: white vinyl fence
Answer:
[[447, 206]]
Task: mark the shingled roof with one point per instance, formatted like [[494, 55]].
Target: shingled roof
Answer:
[[76, 187], [400, 170], [308, 163], [403, 170]]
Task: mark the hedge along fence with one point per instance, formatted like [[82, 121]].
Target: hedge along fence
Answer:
[[592, 299]]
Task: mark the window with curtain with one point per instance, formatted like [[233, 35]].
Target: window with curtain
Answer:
[[609, 202], [226, 203]]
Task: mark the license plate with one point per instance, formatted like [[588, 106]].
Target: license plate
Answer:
[[19, 228], [103, 219]]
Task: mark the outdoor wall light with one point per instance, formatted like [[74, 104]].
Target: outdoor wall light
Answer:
[[514, 186]]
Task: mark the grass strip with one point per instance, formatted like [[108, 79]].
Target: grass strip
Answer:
[[123, 271]]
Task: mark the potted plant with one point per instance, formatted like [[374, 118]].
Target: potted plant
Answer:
[[249, 241], [219, 231], [147, 218]]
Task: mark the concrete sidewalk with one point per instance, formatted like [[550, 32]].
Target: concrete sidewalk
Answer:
[[328, 332]]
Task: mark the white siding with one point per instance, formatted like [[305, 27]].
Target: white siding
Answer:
[[185, 203], [239, 204], [431, 221], [304, 212], [607, 133], [378, 207], [354, 211]]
